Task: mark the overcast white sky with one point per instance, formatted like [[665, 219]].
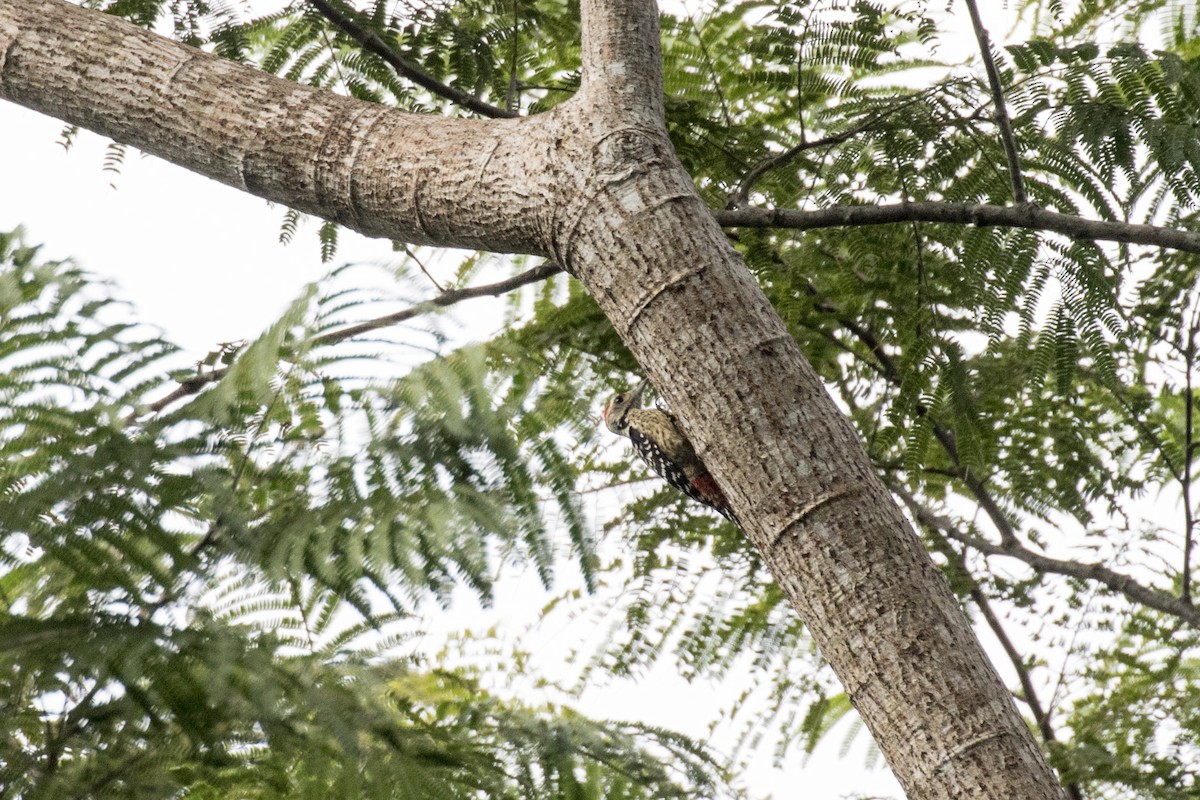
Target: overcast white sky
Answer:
[[203, 262]]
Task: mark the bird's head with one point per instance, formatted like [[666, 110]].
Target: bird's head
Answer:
[[618, 406]]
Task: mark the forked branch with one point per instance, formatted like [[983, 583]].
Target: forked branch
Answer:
[[1111, 579]]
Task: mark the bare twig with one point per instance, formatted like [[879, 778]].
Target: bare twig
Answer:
[[1026, 216], [408, 251], [977, 488], [742, 194], [512, 98], [194, 384], [1028, 691], [186, 388], [68, 725], [1138, 420], [447, 298], [1189, 520], [713, 72], [1002, 120], [374, 43], [1115, 581], [984, 604]]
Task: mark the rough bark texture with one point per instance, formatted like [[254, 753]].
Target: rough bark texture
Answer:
[[421, 179], [596, 186]]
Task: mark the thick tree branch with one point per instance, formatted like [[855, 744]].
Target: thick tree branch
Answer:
[[1115, 581], [621, 56], [372, 42], [982, 214], [372, 168], [596, 185], [707, 337], [1028, 690], [1002, 120]]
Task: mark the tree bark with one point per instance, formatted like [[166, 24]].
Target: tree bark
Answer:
[[596, 186]]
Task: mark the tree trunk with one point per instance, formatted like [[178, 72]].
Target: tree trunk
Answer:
[[595, 185]]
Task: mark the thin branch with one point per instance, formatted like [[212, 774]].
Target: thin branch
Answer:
[[982, 214], [1002, 120], [889, 370], [1028, 691], [978, 489], [299, 603], [1138, 420], [337, 62], [374, 43], [70, 723], [1189, 520], [924, 301], [194, 384], [834, 341], [742, 194], [218, 524], [712, 71], [408, 251], [186, 388], [1009, 543], [512, 98], [447, 298], [1115, 581]]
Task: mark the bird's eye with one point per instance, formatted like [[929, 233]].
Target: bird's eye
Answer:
[[619, 398]]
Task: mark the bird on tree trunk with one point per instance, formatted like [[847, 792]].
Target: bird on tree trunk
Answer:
[[661, 443]]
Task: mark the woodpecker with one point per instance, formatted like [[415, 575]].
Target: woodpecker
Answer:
[[661, 443]]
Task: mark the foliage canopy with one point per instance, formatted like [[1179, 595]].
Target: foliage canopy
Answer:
[[211, 598]]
